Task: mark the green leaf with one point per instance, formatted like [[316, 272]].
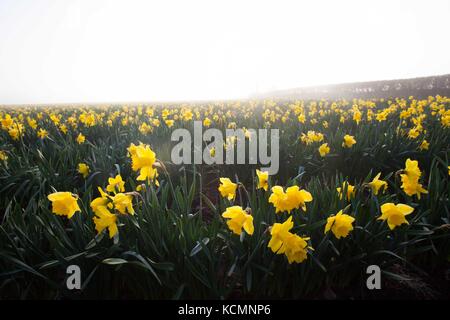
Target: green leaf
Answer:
[[114, 261], [198, 247]]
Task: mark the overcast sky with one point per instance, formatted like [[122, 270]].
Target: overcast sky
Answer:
[[114, 51]]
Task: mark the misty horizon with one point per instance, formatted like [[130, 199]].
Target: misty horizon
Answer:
[[110, 51], [261, 95]]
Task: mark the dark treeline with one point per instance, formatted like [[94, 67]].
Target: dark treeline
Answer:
[[417, 87]]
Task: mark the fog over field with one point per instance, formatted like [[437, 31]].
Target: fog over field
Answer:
[[116, 51]]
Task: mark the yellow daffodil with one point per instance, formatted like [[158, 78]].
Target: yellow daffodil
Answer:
[[169, 123], [105, 219], [295, 248], [311, 137], [123, 203], [395, 214], [285, 242], [357, 115], [143, 159], [7, 121], [187, 115], [238, 219], [206, 122], [324, 149], [424, 145], [42, 133], [144, 128], [102, 201], [81, 138], [376, 184], [32, 123], [115, 184], [156, 123], [413, 133], [279, 232], [410, 179], [298, 197], [341, 224], [16, 131], [83, 169], [263, 179], [63, 128], [64, 203], [293, 198], [412, 169], [3, 156], [227, 188], [349, 141], [350, 190], [301, 118]]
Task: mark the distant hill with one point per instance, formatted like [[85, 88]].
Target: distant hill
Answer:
[[417, 87]]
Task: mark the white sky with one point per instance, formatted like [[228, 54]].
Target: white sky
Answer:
[[111, 51]]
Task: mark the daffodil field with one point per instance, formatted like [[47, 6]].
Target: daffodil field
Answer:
[[360, 183]]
